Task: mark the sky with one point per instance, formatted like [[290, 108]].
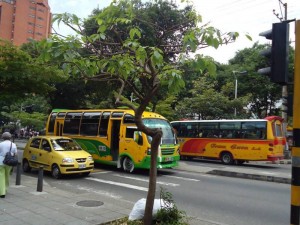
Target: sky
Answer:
[[243, 16]]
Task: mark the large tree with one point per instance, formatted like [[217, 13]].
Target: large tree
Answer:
[[138, 50], [264, 94], [21, 77]]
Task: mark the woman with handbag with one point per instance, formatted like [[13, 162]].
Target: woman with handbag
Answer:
[[5, 147]]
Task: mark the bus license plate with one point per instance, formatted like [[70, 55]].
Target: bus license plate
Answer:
[[81, 166], [168, 159]]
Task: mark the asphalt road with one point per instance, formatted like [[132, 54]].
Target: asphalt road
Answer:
[[206, 198]]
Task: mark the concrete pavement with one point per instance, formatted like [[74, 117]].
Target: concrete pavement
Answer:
[[24, 205]]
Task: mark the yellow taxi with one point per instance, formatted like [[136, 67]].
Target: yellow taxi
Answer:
[[57, 154]]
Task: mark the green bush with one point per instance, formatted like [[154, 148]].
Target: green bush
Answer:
[[169, 214]]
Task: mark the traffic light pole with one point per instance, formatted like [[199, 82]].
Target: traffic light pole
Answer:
[[285, 89], [295, 183]]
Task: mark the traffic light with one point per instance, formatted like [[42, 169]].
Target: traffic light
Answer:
[[278, 54]]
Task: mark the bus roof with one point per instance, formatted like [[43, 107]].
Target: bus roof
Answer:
[[269, 118], [146, 114]]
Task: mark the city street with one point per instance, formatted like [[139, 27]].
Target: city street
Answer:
[[204, 197]]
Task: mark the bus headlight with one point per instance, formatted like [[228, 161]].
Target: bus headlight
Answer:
[[149, 151], [68, 160]]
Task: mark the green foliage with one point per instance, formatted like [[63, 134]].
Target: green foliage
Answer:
[[169, 214], [22, 75]]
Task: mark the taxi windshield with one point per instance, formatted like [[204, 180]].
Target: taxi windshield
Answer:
[[65, 145]]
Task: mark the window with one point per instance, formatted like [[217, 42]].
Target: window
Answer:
[[90, 123], [130, 131], [104, 124], [230, 130], [277, 130], [209, 129], [45, 145], [254, 130], [117, 115], [61, 115], [35, 143], [128, 118], [72, 122]]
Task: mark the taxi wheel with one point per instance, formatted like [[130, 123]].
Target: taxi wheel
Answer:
[[85, 174], [26, 166], [128, 165], [56, 172], [226, 158]]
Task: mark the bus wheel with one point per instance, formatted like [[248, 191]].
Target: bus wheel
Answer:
[[226, 158], [55, 172], [25, 165], [128, 165]]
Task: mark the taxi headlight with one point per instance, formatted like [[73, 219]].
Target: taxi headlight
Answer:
[[68, 160], [90, 158]]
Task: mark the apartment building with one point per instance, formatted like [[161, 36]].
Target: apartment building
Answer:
[[23, 20]]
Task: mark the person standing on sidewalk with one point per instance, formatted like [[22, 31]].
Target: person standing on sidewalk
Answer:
[[5, 146]]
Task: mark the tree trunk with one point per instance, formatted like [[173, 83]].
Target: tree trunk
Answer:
[[152, 178]]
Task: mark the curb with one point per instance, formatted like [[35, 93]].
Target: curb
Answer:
[[280, 162], [251, 176]]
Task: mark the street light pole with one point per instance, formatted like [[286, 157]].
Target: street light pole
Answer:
[[236, 85]]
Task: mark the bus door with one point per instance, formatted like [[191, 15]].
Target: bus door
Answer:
[[59, 127], [115, 139], [59, 124]]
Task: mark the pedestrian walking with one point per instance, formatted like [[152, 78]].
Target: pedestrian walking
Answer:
[[5, 146]]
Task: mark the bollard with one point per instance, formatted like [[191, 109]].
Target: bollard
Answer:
[[18, 175], [40, 180]]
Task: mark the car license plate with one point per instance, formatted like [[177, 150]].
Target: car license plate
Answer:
[[81, 166], [168, 159]]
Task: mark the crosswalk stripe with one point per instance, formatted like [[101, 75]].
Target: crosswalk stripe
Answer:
[[146, 180], [117, 184]]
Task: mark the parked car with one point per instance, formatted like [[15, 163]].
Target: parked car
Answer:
[[59, 155]]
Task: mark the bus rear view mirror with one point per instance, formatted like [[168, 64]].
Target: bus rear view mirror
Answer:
[[137, 137]]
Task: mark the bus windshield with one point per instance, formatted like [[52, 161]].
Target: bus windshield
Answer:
[[168, 134]]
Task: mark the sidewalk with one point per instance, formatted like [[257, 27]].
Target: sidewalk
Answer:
[[23, 205], [242, 172]]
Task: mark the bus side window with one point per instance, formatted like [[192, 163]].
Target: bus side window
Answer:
[[130, 132]]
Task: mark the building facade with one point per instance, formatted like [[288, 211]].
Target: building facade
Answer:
[[24, 20]]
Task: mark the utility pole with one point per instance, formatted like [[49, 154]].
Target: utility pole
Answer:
[[295, 182]]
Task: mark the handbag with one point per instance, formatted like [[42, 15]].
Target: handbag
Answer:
[[9, 159]]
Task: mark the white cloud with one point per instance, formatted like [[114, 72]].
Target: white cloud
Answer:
[[243, 16]]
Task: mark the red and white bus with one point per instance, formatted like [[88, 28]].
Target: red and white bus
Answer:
[[232, 141]]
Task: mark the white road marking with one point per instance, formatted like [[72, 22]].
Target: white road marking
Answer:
[[181, 178], [146, 180], [117, 184], [100, 172]]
